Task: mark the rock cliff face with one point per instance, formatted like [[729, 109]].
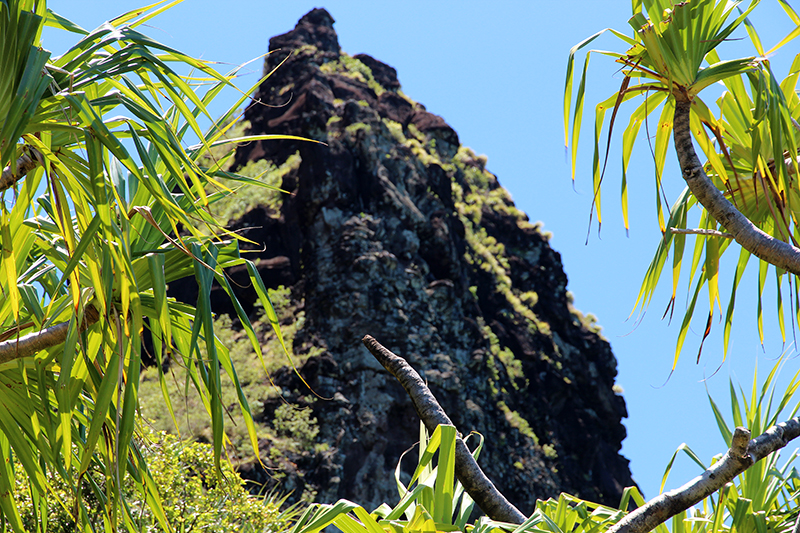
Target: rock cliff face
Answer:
[[395, 229]]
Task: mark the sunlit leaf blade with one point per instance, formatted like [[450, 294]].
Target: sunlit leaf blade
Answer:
[[744, 256], [111, 207], [687, 319], [750, 141], [568, 84]]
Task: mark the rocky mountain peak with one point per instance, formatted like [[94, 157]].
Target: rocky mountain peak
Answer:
[[315, 29], [394, 229], [385, 75]]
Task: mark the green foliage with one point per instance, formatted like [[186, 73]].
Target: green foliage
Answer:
[[751, 146], [195, 498], [474, 190], [512, 364], [353, 68], [419, 145], [550, 451], [766, 496], [356, 127], [435, 501], [86, 232], [503, 354], [516, 420], [297, 424], [248, 196], [480, 191], [191, 418], [199, 500], [235, 197], [588, 321]]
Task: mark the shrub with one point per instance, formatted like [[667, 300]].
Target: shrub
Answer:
[[194, 497]]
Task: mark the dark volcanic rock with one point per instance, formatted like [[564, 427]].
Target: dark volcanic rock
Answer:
[[395, 230]]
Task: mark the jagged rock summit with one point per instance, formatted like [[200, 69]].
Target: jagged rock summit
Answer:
[[394, 229]]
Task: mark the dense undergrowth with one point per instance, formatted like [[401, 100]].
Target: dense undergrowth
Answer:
[[194, 497]]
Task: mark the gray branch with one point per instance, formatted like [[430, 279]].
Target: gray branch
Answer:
[[699, 231], [25, 163], [475, 482], [32, 343], [747, 234], [741, 456]]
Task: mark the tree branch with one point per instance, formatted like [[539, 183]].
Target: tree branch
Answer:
[[741, 456], [28, 345], [752, 239], [707, 232], [25, 163], [475, 482]]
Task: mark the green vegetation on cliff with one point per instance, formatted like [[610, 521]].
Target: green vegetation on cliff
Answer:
[[191, 417]]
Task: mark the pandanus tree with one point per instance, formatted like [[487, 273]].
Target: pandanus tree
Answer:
[[747, 190], [745, 197], [103, 204]]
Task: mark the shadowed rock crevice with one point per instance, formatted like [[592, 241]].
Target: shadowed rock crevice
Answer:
[[396, 230]]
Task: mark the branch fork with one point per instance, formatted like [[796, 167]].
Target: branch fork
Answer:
[[747, 234]]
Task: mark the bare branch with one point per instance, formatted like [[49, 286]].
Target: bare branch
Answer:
[[752, 239], [707, 232], [475, 482], [25, 163], [741, 456], [28, 345]]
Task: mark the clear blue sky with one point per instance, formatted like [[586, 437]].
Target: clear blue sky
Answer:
[[496, 74]]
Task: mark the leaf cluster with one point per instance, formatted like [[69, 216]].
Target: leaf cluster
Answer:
[[751, 143], [765, 496], [195, 497], [115, 206], [434, 501]]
